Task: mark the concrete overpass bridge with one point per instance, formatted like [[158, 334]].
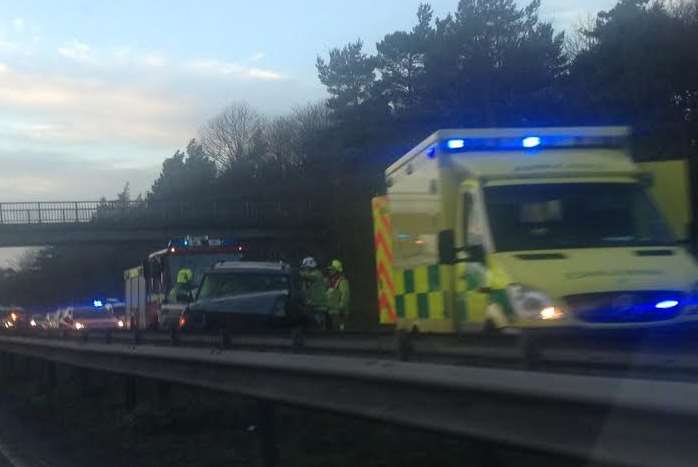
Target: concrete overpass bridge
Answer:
[[25, 224]]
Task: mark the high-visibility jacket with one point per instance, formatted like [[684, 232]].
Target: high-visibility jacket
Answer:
[[184, 276], [338, 295], [315, 288]]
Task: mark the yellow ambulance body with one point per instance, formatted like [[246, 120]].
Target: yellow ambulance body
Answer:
[[495, 229]]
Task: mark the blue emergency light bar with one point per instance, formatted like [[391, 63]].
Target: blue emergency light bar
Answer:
[[531, 142], [190, 242]]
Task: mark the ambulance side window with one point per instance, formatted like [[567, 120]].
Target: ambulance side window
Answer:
[[473, 221]]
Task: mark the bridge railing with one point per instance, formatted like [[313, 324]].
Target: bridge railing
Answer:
[[237, 212]]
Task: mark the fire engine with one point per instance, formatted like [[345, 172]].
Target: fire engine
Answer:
[[151, 300]]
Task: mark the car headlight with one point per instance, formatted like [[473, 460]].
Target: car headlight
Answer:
[[32, 323], [120, 323], [529, 303], [79, 326]]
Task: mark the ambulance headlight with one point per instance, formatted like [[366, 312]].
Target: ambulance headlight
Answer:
[[529, 303]]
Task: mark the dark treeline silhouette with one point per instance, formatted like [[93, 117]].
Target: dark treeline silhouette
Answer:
[[489, 63]]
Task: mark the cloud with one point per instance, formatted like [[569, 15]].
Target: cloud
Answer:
[[154, 60], [213, 66], [56, 109], [257, 56], [10, 46], [42, 176], [18, 24], [127, 56], [77, 51]]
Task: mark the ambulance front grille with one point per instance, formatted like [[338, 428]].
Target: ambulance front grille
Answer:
[[626, 306]]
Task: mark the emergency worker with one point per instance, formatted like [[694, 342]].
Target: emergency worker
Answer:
[[181, 292], [314, 290], [338, 296]]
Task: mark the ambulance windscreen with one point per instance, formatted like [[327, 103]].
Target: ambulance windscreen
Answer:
[[573, 215]]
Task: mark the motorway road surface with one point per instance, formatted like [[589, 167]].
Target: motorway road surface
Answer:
[[21, 446]]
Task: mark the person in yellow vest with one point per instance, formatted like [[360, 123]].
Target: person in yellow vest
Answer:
[[314, 290], [338, 296], [181, 292]]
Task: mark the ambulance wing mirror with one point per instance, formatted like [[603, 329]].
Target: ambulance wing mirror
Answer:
[[475, 254], [646, 179], [447, 247]]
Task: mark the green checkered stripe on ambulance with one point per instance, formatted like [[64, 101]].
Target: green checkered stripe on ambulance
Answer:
[[420, 292]]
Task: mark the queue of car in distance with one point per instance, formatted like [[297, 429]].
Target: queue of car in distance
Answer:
[[232, 295], [80, 318], [239, 295], [12, 317]]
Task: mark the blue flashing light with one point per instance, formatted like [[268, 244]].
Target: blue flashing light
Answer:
[[455, 143], [517, 143], [531, 142], [666, 304], [98, 303]]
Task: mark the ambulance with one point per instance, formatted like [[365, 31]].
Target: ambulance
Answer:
[[530, 228]]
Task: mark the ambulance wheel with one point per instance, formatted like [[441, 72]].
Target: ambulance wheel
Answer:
[[489, 328]]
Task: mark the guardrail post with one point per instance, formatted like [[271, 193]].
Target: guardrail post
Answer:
[[77, 216], [267, 433], [84, 377], [403, 345], [51, 383], [174, 337], [2, 215], [164, 391], [130, 392], [298, 338], [530, 350], [38, 211], [226, 340]]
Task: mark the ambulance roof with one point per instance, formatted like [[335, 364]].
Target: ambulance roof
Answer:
[[507, 152]]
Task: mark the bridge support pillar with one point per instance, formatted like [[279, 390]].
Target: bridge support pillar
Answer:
[[130, 392], [50, 383], [269, 448]]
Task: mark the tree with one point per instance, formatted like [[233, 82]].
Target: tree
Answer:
[[641, 70], [494, 64], [185, 176], [401, 62], [348, 75], [233, 135]]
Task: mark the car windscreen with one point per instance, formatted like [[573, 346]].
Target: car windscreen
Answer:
[[573, 215], [197, 263], [239, 283]]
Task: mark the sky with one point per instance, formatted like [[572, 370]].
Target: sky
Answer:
[[97, 94]]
